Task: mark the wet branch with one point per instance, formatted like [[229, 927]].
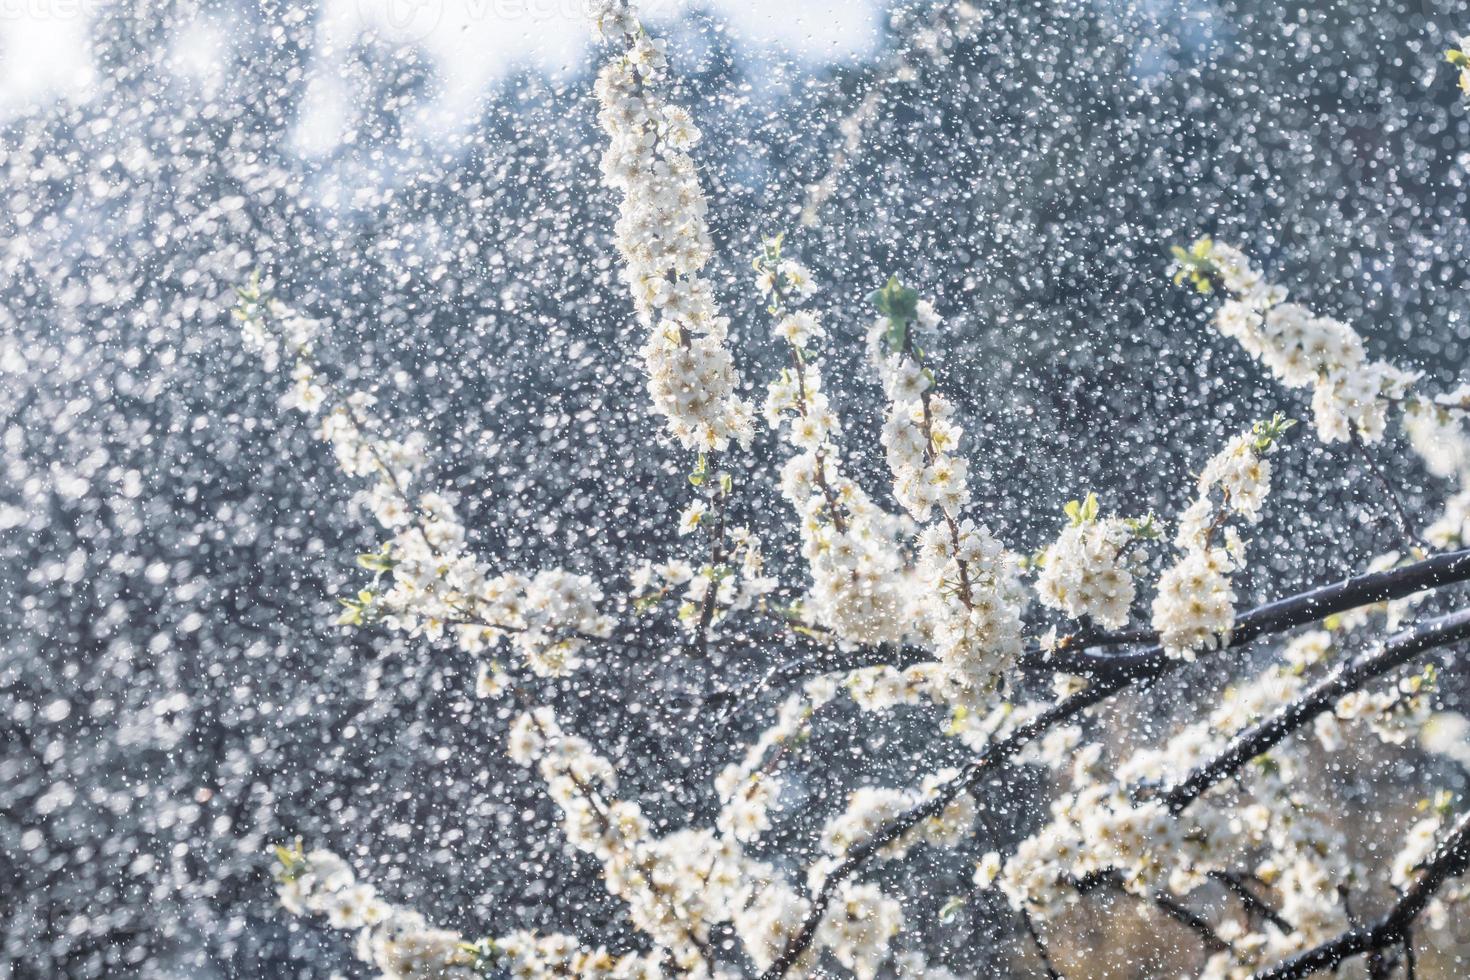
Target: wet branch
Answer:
[[1450, 860], [1042, 952], [1253, 903], [1323, 696], [1165, 902], [1114, 673], [1273, 617]]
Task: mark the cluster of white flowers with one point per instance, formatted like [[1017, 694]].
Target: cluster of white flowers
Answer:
[[1089, 570], [1350, 392], [1301, 349], [1436, 430], [320, 882], [871, 807], [751, 787], [1445, 911], [396, 941], [271, 328], [1094, 831], [975, 603], [1103, 832], [678, 887], [1420, 843], [861, 588], [1396, 715], [1289, 841], [1195, 606], [971, 584], [859, 928], [1301, 853], [739, 580], [665, 243], [674, 887], [428, 580], [401, 944], [919, 434], [883, 688], [1452, 529], [1437, 433], [1241, 474]]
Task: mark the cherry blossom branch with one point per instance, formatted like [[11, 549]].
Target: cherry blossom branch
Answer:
[[1272, 617], [820, 660], [969, 778], [931, 454], [781, 292], [823, 484], [1118, 672], [1450, 860], [1323, 696], [1253, 903], [1165, 902]]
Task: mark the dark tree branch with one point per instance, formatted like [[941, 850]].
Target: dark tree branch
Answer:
[[1041, 950], [1165, 902], [1450, 860], [821, 660], [1323, 696], [1253, 903], [1192, 920], [1114, 674], [969, 778], [1273, 617]]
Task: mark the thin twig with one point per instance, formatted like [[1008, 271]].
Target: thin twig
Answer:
[[1041, 950], [1450, 860], [1252, 902], [1323, 696], [717, 558], [1412, 538]]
